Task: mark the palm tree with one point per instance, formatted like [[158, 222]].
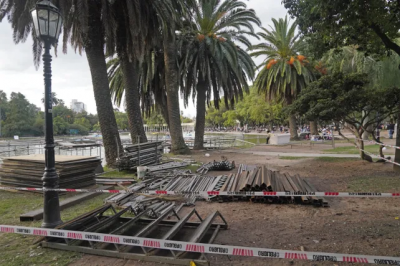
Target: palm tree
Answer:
[[84, 27], [143, 20], [286, 72], [54, 100], [151, 83], [212, 63]]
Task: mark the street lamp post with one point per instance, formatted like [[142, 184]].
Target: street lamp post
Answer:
[[47, 22]]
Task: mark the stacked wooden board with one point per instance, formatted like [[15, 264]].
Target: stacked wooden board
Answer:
[[252, 178], [27, 170]]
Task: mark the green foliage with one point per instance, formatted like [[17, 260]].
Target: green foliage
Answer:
[[39, 123], [64, 113], [20, 116], [370, 24], [346, 98], [155, 118], [122, 120], [60, 126], [185, 119], [214, 116], [353, 150], [96, 127], [212, 60], [84, 122], [81, 129], [252, 110], [284, 75]]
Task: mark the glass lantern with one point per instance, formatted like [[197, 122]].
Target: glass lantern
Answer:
[[47, 21]]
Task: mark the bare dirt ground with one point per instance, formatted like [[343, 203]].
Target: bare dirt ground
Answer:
[[352, 226]]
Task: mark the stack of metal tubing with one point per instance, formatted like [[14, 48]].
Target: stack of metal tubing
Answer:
[[247, 178], [252, 178]]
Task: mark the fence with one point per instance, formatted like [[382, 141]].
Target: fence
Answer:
[[28, 148]]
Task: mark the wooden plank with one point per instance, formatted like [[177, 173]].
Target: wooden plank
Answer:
[[38, 214]]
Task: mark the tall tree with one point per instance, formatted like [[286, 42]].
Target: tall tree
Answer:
[[346, 98], [151, 83], [212, 61], [20, 116], [286, 72], [370, 24], [83, 27]]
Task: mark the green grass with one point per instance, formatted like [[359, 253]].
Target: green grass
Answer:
[[290, 158], [192, 168], [19, 249], [374, 184], [112, 173], [335, 159], [353, 150]]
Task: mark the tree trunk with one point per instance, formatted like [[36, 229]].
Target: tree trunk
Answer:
[[292, 122], [200, 115], [397, 151], [361, 148], [293, 127], [313, 128], [94, 49], [178, 145], [130, 72]]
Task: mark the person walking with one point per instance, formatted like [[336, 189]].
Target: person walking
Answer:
[[390, 128], [268, 137]]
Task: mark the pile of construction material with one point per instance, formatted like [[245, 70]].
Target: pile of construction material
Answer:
[[247, 178], [141, 154], [190, 227], [27, 170], [223, 165], [173, 180], [252, 178]]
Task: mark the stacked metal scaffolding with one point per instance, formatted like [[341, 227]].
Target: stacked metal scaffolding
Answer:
[[148, 223], [140, 154]]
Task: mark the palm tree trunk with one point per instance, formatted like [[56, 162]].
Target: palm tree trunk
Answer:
[[397, 152], [313, 128], [293, 127], [200, 116], [130, 72], [94, 49], [292, 122], [178, 145]]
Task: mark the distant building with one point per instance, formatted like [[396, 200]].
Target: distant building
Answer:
[[77, 107]]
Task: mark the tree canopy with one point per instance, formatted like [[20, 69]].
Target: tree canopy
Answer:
[[346, 99], [370, 24]]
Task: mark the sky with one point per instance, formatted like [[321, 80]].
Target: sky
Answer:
[[71, 75]]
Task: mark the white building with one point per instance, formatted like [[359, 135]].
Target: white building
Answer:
[[77, 107]]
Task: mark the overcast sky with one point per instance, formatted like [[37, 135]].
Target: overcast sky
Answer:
[[71, 75]]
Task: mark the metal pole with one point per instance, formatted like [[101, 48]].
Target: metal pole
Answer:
[[51, 206]]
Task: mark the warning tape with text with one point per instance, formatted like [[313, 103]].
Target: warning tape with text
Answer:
[[222, 193], [199, 247]]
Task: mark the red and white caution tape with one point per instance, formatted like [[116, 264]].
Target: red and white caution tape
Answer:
[[378, 143], [385, 159], [200, 247], [225, 193]]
